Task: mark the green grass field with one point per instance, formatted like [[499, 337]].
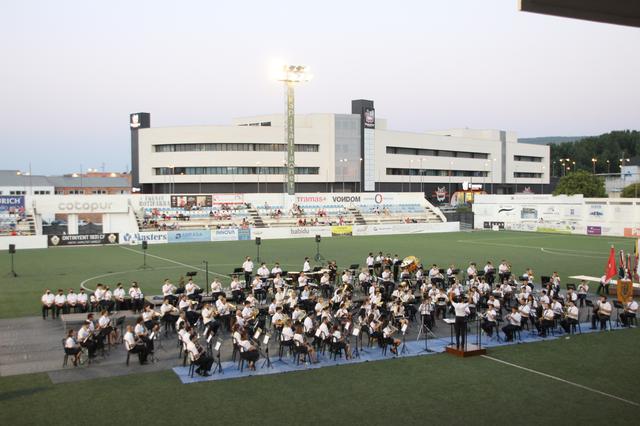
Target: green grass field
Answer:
[[435, 389], [67, 267]]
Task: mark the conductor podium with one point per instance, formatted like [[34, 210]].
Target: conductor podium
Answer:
[[466, 349]]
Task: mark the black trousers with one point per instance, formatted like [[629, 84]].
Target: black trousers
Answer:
[[488, 327], [508, 331], [204, 363], [603, 321], [142, 352], [247, 278], [625, 317], [567, 323], [460, 328], [45, 311], [250, 356], [91, 346]]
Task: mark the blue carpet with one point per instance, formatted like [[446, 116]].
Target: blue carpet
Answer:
[[413, 348]]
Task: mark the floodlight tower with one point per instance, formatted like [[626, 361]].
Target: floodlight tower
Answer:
[[291, 75]]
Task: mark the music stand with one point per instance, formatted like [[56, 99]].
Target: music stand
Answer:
[[267, 360], [217, 348], [424, 329], [404, 349], [356, 333]]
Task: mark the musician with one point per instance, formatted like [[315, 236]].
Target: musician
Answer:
[[276, 270], [461, 310], [239, 319], [169, 313], [557, 308], [199, 356], [571, 316], [247, 267], [263, 272], [224, 311], [292, 301], [286, 335], [135, 346], [441, 303], [302, 345], [630, 311], [191, 289], [309, 325], [513, 323], [583, 289], [306, 266], [137, 298], [278, 318], [603, 285], [216, 289], [142, 334], [107, 301], [247, 312], [602, 311], [333, 271], [471, 271], [434, 272], [248, 351], [490, 321], [278, 282], [86, 338], [83, 301], [117, 296], [257, 287], [370, 261], [525, 312], [48, 300], [99, 295], [302, 280], [72, 301], [504, 270], [322, 332], [427, 310], [544, 299], [529, 277], [365, 279], [339, 341], [237, 289], [105, 329], [546, 322], [60, 303], [72, 348], [342, 314], [209, 320], [347, 278], [396, 266], [489, 272], [571, 295], [149, 317]]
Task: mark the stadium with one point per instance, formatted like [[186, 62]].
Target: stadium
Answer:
[[319, 268]]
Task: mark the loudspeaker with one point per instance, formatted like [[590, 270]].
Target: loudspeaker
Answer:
[[258, 241], [318, 238], [144, 245], [12, 248]]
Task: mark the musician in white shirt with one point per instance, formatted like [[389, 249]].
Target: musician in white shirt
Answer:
[[48, 300], [630, 311], [489, 321], [276, 269], [583, 289], [216, 288], [370, 262], [247, 267], [302, 345], [514, 321], [72, 348], [248, 352], [306, 266], [168, 289], [135, 346], [571, 317], [137, 298], [604, 309], [190, 289], [85, 338], [60, 303], [118, 296], [169, 313], [547, 321], [460, 327], [209, 320], [263, 272], [72, 301], [471, 271], [83, 300]]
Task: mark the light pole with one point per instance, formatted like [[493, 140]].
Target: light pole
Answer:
[[542, 181], [344, 172], [493, 176], [171, 167], [422, 176], [410, 173], [608, 167], [360, 177], [233, 179], [594, 161], [290, 76], [450, 170], [486, 172]]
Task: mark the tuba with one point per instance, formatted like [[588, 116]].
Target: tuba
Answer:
[[410, 263]]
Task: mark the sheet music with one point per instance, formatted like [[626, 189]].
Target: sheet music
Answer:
[[356, 331], [218, 344], [449, 320]]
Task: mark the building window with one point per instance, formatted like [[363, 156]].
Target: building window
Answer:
[[200, 147], [527, 158], [99, 191], [527, 175], [432, 172], [436, 153], [249, 170], [76, 192]]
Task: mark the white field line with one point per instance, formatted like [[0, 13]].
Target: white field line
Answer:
[[109, 274], [176, 262], [563, 381]]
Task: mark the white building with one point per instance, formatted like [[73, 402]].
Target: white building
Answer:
[[334, 152]]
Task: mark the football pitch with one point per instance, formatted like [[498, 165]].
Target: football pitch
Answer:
[[585, 378]]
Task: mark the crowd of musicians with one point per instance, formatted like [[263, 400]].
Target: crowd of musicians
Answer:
[[319, 307]]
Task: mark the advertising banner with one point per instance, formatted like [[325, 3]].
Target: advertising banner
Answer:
[[224, 235], [244, 234], [149, 237], [189, 236], [227, 198], [82, 239], [151, 200], [11, 204], [594, 230], [81, 203], [341, 230], [632, 232], [188, 201]]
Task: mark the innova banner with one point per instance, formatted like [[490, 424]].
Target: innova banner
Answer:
[[230, 234]]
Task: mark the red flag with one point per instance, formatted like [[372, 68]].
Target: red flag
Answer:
[[611, 270]]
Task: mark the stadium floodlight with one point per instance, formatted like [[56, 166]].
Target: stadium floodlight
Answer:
[[291, 75]]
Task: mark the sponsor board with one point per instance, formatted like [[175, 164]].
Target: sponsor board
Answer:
[[594, 230], [187, 202], [227, 198], [490, 225], [293, 232], [596, 211], [11, 203], [340, 230], [189, 236], [224, 235], [554, 230], [81, 204], [244, 234], [529, 213], [150, 237], [82, 239], [405, 228], [632, 232], [152, 201], [521, 226]]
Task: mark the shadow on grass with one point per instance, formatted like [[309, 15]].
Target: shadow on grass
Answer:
[[6, 396]]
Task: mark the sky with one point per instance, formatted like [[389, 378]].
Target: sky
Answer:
[[72, 71]]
